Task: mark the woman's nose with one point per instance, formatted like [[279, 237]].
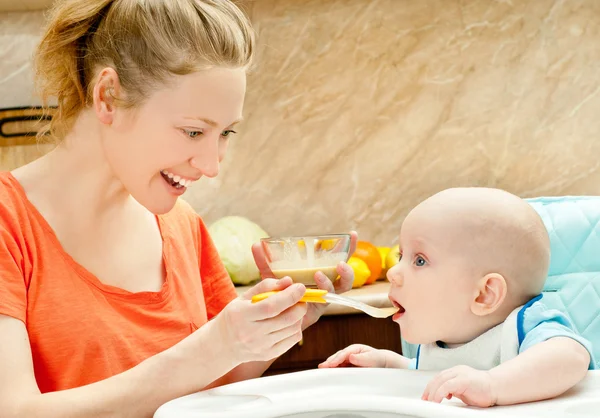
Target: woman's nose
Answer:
[[208, 169], [207, 159]]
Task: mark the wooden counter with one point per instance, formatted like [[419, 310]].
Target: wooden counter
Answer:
[[340, 327]]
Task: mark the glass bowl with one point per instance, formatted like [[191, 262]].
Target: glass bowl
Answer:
[[301, 257]]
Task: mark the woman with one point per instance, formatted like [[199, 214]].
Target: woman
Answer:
[[112, 297]]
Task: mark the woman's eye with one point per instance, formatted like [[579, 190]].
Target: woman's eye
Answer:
[[192, 134], [420, 261], [228, 132], [400, 256]]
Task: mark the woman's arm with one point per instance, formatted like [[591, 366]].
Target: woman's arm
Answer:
[[242, 333], [137, 392], [242, 372]]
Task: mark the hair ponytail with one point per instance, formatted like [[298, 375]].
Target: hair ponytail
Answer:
[[59, 59], [146, 42]]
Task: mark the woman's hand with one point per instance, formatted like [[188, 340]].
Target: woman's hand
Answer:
[[264, 330], [343, 284]]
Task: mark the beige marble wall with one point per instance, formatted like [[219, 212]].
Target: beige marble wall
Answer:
[[19, 34], [359, 109]]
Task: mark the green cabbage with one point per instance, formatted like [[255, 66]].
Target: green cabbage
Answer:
[[233, 236]]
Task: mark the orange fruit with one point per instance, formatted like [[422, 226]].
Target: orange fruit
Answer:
[[370, 255]]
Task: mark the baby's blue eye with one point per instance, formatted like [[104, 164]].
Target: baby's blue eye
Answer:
[[420, 261]]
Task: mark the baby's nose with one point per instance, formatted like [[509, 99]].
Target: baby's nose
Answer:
[[394, 275]]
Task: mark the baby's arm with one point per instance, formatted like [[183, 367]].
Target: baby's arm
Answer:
[[360, 355], [552, 358], [544, 371]]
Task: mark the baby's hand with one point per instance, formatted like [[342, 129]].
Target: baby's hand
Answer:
[[358, 355], [473, 387]]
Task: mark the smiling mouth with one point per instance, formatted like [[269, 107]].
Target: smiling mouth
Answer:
[[175, 181]]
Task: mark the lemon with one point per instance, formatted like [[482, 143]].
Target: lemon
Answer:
[[383, 252], [361, 271], [392, 257], [326, 244]]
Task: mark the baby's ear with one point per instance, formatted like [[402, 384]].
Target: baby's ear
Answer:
[[489, 294]]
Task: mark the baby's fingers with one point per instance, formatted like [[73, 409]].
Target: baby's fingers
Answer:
[[448, 389], [342, 356], [334, 360], [435, 383], [367, 359]]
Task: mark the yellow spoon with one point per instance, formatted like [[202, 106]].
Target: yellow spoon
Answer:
[[322, 296], [310, 296]]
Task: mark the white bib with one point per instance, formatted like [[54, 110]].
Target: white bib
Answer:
[[485, 352]]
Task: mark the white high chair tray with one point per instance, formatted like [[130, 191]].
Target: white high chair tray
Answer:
[[363, 393]]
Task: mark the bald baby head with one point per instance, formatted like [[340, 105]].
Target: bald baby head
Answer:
[[496, 231]]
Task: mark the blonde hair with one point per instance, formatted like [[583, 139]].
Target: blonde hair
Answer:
[[147, 42]]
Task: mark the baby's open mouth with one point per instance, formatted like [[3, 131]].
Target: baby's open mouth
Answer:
[[397, 305]]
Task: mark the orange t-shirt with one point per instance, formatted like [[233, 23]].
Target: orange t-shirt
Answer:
[[81, 330]]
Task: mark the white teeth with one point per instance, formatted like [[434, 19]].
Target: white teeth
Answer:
[[177, 179]]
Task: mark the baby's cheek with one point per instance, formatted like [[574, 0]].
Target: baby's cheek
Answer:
[[436, 319], [420, 330]]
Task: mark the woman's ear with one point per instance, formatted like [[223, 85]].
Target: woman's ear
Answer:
[[106, 91], [490, 293]]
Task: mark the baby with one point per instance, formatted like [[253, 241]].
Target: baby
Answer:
[[473, 262]]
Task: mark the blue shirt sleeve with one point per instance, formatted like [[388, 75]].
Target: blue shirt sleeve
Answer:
[[413, 364], [536, 323]]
